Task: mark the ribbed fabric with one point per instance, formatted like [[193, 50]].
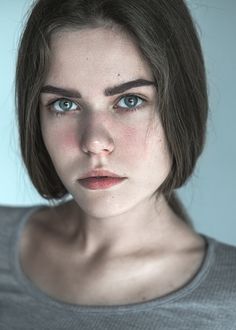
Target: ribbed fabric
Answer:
[[208, 301]]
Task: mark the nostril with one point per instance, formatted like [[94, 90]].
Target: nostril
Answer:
[[97, 143]]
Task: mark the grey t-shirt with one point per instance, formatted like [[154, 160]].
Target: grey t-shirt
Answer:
[[208, 301]]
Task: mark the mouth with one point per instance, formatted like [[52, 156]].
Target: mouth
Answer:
[[100, 182], [100, 179]]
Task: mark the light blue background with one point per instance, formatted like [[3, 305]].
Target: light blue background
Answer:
[[210, 194]]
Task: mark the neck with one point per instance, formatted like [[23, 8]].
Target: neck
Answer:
[[148, 224]]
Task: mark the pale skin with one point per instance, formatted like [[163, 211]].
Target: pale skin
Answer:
[[108, 246]]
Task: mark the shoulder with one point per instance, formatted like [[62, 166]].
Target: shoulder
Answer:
[[8, 212], [221, 257], [11, 211], [225, 253], [12, 221], [221, 270], [11, 215]]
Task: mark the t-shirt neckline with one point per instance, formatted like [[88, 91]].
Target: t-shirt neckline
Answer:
[[37, 294]]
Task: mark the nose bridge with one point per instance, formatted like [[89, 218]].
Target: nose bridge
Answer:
[[97, 137]]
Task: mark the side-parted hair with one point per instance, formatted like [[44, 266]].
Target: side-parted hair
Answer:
[[165, 34]]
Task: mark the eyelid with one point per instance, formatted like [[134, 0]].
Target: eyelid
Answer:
[[142, 97], [131, 94], [54, 100]]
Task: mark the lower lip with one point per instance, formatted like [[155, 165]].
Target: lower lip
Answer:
[[95, 183]]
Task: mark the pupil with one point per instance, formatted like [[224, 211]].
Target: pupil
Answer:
[[65, 105], [131, 101]]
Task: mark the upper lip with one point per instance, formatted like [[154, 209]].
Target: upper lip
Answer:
[[99, 172]]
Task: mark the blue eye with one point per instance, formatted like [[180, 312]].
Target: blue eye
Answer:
[[64, 105], [130, 102]]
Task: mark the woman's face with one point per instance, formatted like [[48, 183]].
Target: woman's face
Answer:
[[86, 126]]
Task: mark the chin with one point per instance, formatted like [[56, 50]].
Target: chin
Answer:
[[104, 206]]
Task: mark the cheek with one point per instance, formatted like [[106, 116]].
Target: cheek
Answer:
[[68, 140], [62, 146], [147, 145], [59, 139], [132, 143]]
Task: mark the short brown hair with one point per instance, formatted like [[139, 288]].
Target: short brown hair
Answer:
[[164, 32]]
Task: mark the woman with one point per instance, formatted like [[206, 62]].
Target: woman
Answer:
[[112, 109]]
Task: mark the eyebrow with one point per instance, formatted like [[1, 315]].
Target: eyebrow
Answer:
[[128, 85], [48, 89], [107, 92]]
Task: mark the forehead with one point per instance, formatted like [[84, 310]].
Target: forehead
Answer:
[[97, 52]]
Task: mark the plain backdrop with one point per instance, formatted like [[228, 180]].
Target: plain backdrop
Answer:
[[210, 194]]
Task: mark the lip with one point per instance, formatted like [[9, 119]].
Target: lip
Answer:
[[100, 179], [94, 183], [100, 173]]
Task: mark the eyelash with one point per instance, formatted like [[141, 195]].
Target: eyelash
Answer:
[[63, 112]]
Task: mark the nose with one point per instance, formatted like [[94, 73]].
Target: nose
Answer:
[[97, 140]]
